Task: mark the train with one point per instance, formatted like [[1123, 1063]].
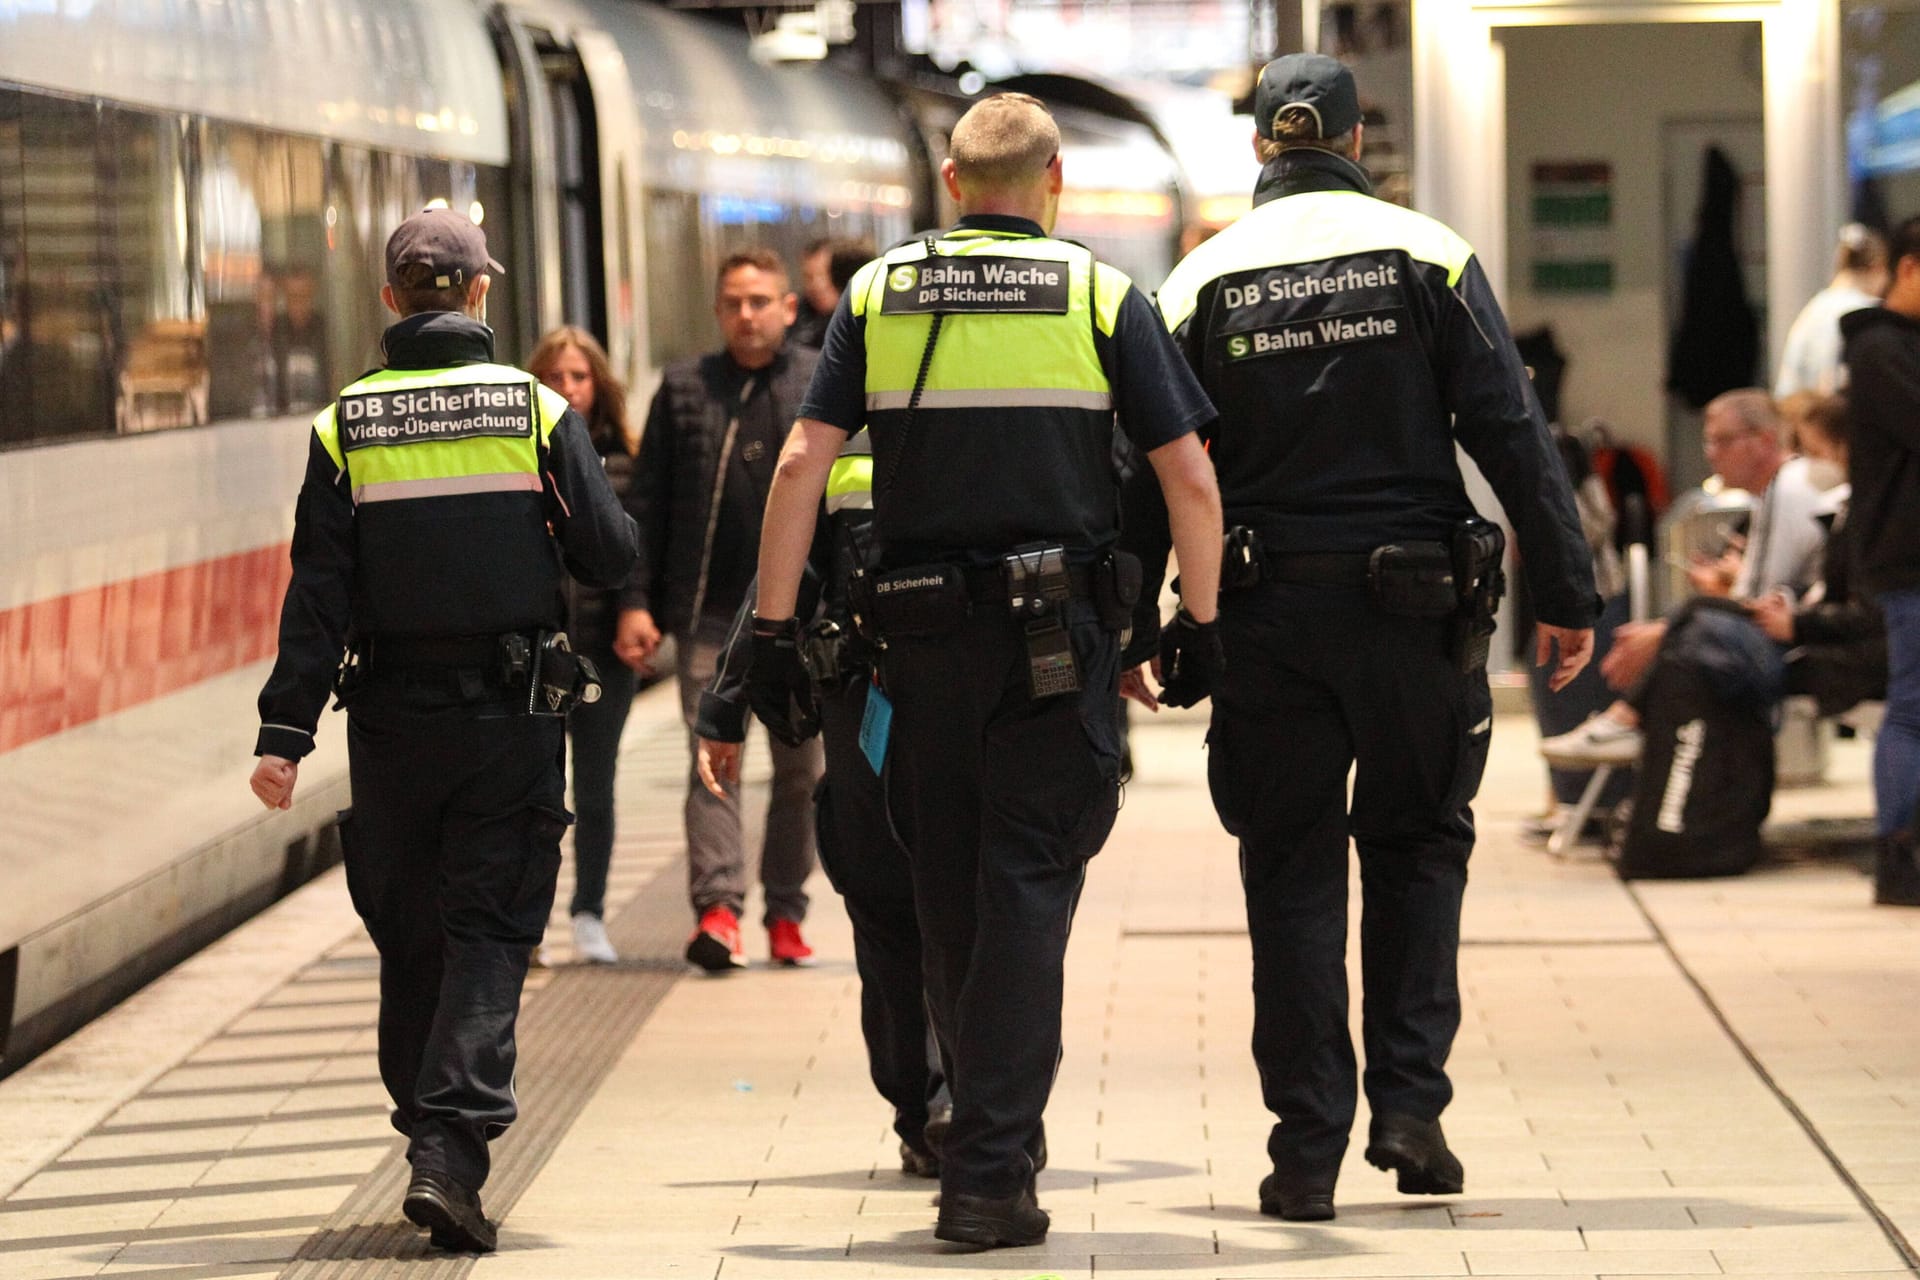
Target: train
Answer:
[[194, 198]]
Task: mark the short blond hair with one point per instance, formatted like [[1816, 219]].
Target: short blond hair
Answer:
[[1003, 141]]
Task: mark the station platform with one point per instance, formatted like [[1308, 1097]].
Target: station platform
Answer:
[[1658, 1079]]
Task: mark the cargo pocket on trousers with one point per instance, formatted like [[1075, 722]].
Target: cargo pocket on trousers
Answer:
[[364, 881], [1099, 654], [826, 837], [1476, 722], [532, 902]]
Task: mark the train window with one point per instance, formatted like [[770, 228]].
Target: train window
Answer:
[[16, 347], [263, 250], [153, 315], [62, 336], [679, 293], [301, 369], [490, 204]]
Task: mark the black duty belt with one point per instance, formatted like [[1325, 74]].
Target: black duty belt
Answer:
[[1319, 569], [387, 652], [985, 586]]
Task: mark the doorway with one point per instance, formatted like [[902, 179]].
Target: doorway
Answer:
[[1606, 126]]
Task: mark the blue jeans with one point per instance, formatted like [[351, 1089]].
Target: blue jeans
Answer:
[[1896, 756], [595, 728]]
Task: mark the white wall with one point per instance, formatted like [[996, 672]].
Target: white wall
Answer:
[[1604, 93]]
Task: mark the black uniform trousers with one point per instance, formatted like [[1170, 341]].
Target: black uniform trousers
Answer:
[[1319, 680], [1000, 801], [452, 849], [869, 869]]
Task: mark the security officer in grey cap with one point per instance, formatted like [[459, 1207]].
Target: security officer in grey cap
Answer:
[[1350, 345], [445, 497]]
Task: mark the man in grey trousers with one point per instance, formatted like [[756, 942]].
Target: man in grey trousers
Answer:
[[706, 461]]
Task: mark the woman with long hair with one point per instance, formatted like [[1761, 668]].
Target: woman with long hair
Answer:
[[571, 361]]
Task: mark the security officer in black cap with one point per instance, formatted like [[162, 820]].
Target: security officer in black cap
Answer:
[[988, 365], [445, 498], [858, 849], [1350, 345]]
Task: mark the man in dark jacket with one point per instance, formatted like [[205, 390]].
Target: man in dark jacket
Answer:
[[1883, 359], [699, 489], [444, 497], [1350, 346]]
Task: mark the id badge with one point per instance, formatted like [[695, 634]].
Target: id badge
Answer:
[[876, 726]]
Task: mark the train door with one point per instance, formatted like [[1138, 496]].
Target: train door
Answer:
[[574, 143]]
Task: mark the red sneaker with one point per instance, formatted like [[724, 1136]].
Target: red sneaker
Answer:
[[785, 944], [715, 945]]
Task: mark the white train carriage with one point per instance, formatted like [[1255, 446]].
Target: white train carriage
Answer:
[[193, 202], [194, 199]]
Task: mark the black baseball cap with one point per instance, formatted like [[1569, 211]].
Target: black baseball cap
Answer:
[[1321, 84], [448, 244]]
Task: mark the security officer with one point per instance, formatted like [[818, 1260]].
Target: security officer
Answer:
[[1350, 344], [858, 850], [442, 497], [988, 365]]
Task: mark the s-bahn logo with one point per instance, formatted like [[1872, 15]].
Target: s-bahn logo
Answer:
[[1238, 347], [902, 279]]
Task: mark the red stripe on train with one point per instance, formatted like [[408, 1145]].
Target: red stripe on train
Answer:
[[74, 658]]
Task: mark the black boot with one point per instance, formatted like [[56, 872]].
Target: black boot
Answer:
[[1896, 870], [1417, 1151], [450, 1211], [988, 1222], [1296, 1199]]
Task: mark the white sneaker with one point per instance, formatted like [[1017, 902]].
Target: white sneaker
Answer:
[[1601, 740], [590, 942]]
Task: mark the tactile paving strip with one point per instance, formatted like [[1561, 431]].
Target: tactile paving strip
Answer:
[[570, 1037]]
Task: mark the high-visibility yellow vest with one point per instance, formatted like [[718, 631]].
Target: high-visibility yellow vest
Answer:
[[850, 481], [1011, 433], [423, 433]]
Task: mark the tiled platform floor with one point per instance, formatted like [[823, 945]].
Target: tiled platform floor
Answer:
[[1673, 1079]]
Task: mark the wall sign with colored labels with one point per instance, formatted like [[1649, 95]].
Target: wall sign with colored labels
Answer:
[[978, 283]]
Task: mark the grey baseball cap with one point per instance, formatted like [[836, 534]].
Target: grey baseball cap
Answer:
[[1321, 84], [448, 244]]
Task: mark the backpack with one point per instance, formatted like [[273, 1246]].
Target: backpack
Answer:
[[1706, 775]]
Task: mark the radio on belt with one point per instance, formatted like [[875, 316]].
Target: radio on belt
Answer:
[[1038, 589]]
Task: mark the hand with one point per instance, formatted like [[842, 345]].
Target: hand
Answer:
[[1714, 577], [1576, 650], [1635, 645], [1773, 615], [777, 685], [719, 765], [1192, 657], [1133, 684], [273, 780], [635, 638]]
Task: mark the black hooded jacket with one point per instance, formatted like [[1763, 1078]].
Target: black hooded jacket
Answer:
[[1883, 365]]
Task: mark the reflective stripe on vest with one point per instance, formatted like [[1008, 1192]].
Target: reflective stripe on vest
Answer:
[[989, 359], [850, 481], [1310, 227], [423, 433]]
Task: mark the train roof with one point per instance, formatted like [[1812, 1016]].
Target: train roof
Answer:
[[717, 122], [404, 75]]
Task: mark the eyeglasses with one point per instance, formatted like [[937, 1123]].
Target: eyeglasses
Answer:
[[1712, 440]]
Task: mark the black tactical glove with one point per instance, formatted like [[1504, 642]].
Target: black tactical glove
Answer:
[[1191, 660], [777, 685]]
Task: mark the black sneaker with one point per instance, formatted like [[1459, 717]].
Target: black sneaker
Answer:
[[1417, 1151], [450, 1212], [918, 1161], [1896, 870], [986, 1222], [1295, 1201], [939, 1121]]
